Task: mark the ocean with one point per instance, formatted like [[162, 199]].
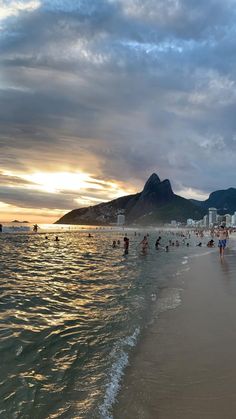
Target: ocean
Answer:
[[72, 312]]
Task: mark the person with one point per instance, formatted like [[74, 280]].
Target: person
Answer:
[[118, 242], [46, 237], [90, 235], [199, 244], [167, 248], [210, 243], [144, 244], [114, 244], [56, 239], [177, 243], [35, 228], [126, 245], [223, 236], [0, 228], [157, 244]]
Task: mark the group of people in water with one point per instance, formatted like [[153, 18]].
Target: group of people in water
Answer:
[[143, 245], [222, 233]]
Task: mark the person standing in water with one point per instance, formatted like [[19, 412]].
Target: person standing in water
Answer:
[[223, 236], [35, 228], [126, 245], [144, 245], [157, 244]]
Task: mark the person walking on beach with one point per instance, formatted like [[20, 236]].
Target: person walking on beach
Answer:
[[223, 236]]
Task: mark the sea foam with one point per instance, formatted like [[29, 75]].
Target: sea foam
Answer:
[[120, 361]]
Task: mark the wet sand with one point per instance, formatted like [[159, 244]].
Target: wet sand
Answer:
[[185, 364]]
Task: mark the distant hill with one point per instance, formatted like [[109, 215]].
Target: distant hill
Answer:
[[223, 200], [156, 204]]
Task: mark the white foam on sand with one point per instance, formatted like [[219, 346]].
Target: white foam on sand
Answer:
[[120, 361]]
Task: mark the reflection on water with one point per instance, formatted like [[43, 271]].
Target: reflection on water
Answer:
[[227, 266], [69, 312]]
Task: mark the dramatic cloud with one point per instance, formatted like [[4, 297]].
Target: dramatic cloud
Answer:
[[117, 89]]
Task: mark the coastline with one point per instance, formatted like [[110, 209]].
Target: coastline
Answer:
[[184, 365]]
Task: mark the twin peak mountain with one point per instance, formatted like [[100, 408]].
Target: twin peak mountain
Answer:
[[156, 204]]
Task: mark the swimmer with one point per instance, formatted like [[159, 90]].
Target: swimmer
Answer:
[[199, 244], [211, 243], [114, 244], [56, 239], [46, 237]]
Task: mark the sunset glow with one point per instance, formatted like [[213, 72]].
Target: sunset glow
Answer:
[[77, 188], [61, 181]]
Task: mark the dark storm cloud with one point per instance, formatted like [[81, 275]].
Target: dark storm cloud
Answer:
[[120, 89]]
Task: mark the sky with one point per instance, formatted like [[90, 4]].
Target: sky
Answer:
[[96, 95]]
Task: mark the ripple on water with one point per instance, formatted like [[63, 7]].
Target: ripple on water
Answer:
[[69, 315]]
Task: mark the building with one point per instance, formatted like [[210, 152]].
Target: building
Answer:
[[212, 212], [120, 219], [234, 219], [206, 220], [228, 220]]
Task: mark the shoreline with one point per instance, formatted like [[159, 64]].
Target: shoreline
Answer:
[[184, 365]]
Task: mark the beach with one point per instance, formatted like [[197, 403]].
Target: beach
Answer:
[[184, 365]]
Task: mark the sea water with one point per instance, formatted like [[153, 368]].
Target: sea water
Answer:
[[71, 313]]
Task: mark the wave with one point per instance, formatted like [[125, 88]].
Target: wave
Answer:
[[120, 357]]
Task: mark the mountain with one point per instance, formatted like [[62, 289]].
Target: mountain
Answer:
[[157, 203], [223, 200]]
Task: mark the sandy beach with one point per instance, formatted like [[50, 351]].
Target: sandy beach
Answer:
[[184, 366]]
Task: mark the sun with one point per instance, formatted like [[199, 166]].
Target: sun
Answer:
[[61, 181]]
